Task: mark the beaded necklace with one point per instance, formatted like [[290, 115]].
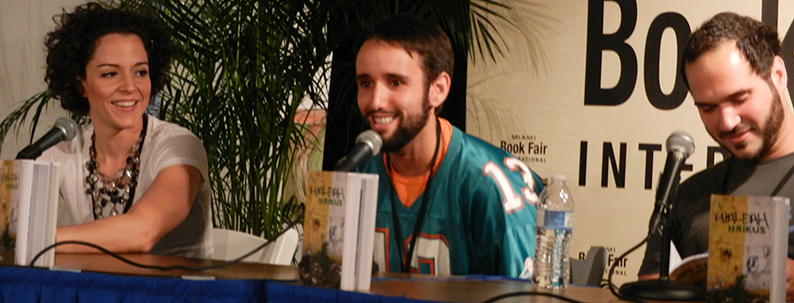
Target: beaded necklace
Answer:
[[112, 196]]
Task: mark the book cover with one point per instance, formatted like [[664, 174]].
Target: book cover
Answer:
[[338, 222], [10, 191], [747, 249], [28, 211]]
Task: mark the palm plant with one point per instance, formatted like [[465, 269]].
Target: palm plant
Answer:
[[246, 66]]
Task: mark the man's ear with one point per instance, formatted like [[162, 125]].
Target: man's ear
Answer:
[[778, 73], [439, 89]]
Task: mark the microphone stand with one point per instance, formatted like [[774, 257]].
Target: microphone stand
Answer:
[[663, 288]]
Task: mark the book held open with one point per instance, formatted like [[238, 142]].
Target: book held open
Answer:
[[692, 270]]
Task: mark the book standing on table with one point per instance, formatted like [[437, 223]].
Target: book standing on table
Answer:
[[339, 227], [28, 211], [747, 249]]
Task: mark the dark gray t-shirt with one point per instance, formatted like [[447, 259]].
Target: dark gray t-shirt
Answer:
[[689, 216]]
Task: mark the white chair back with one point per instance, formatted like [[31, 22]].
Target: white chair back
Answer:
[[230, 244]]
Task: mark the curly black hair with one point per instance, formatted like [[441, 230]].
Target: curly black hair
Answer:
[[73, 42], [758, 42]]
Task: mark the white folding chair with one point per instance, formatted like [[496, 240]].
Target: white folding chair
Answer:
[[231, 244]]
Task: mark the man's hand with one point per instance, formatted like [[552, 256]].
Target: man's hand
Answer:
[[789, 280]]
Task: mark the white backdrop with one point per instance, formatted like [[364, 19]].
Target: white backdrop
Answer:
[[537, 109], [23, 25]]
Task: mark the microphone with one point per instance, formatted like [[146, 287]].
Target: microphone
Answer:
[[63, 130], [679, 147], [368, 144]]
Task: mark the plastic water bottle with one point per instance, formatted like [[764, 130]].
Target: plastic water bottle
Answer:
[[552, 266]]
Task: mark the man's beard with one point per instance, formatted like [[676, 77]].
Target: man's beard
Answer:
[[769, 132], [408, 128]]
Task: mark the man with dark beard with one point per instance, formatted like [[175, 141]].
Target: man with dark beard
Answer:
[[448, 203], [737, 78]]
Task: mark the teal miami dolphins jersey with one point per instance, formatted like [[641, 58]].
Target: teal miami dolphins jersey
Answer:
[[480, 217]]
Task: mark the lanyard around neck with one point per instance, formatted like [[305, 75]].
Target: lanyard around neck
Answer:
[[406, 262]]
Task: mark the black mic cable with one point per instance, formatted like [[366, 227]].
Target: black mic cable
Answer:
[[163, 268]]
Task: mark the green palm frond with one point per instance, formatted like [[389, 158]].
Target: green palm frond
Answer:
[[37, 105], [245, 67], [16, 119]]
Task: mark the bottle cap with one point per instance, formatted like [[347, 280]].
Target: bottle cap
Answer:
[[559, 177]]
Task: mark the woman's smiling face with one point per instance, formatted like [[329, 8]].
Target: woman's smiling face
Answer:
[[116, 82]]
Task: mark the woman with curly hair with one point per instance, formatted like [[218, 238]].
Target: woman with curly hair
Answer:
[[131, 183]]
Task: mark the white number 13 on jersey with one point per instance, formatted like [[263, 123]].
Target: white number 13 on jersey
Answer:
[[512, 200]]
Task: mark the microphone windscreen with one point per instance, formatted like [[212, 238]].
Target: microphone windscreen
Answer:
[[371, 138], [682, 142], [68, 127]]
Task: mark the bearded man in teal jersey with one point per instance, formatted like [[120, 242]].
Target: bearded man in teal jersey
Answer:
[[448, 203]]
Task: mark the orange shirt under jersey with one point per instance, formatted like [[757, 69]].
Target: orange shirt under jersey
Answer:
[[409, 188]]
